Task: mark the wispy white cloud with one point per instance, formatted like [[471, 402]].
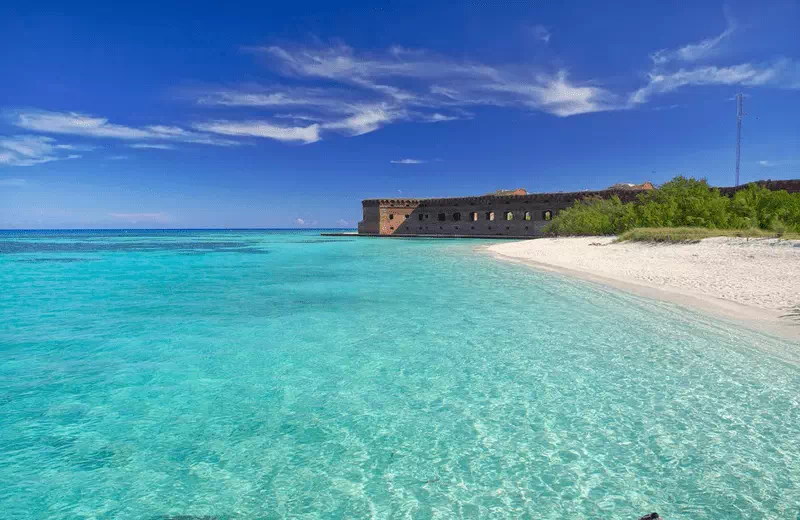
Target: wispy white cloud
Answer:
[[76, 147], [694, 51], [250, 99], [666, 107], [299, 221], [265, 129], [777, 163], [367, 119], [541, 33], [343, 223], [118, 157], [29, 150], [74, 123], [13, 182], [437, 117], [154, 146], [745, 74], [408, 161], [257, 96], [299, 117]]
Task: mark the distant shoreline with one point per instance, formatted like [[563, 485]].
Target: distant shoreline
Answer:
[[750, 282]]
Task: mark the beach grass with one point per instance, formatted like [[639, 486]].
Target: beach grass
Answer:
[[696, 234]]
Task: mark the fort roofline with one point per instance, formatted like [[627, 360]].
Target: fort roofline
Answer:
[[489, 199]]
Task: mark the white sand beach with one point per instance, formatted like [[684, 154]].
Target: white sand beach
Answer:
[[753, 281]]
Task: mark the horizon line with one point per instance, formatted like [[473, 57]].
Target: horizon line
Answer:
[[181, 229]]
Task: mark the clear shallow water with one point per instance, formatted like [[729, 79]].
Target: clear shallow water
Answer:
[[262, 375]]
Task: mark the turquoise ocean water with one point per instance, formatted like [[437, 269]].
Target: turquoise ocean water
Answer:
[[265, 375]]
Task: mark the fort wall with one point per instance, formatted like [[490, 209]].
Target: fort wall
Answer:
[[491, 215], [488, 215]]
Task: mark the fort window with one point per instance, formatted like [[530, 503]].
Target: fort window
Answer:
[[441, 217], [508, 215], [474, 216], [527, 215], [547, 215], [456, 216], [490, 215], [421, 216], [391, 216]]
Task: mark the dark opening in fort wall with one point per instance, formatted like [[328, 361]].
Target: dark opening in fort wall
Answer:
[[518, 216]]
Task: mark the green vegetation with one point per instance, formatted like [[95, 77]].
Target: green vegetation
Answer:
[[684, 210], [690, 234]]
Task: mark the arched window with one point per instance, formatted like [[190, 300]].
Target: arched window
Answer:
[[421, 216], [508, 215], [456, 216], [547, 215], [441, 217], [490, 215], [474, 216], [391, 216], [527, 215]]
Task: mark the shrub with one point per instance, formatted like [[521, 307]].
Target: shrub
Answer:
[[593, 216], [689, 234], [682, 202]]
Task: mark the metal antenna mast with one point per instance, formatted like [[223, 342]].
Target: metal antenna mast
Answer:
[[739, 115]]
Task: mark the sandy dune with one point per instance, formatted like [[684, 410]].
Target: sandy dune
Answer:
[[755, 281]]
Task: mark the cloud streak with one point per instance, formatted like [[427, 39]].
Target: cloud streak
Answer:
[[264, 129], [75, 123], [30, 150], [745, 74], [408, 161], [694, 51], [146, 146]]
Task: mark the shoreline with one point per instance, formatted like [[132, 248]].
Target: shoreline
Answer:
[[553, 255]]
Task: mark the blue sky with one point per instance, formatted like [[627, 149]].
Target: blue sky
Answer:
[[260, 115]]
